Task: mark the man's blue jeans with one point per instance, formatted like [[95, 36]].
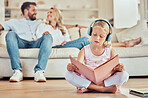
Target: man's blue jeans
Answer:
[[79, 43], [14, 43]]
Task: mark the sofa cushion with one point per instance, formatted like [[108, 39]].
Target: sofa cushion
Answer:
[[33, 53], [138, 51], [83, 32], [74, 33]]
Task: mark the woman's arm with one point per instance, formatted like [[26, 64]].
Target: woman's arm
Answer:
[[64, 42]]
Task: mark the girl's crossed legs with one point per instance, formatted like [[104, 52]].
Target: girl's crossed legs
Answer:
[[109, 85]]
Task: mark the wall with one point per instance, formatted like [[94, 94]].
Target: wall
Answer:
[[2, 14], [105, 9], [81, 12]]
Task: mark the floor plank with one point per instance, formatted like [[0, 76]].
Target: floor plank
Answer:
[[60, 88]]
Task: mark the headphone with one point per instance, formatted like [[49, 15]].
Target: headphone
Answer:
[[108, 38]]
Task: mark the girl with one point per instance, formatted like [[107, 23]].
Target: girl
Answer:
[[93, 55]]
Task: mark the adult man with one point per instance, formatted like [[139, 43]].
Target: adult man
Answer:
[[22, 34]]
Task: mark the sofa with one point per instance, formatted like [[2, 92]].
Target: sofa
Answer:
[[135, 59]]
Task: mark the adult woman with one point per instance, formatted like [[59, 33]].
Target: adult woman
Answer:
[[59, 32]]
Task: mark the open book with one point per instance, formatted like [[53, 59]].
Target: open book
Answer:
[[140, 92], [99, 73]]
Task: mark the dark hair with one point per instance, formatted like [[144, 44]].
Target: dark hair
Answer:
[[26, 5]]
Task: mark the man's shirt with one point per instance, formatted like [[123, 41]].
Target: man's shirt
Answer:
[[25, 29]]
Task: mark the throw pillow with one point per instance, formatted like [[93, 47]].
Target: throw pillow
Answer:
[[74, 33], [83, 32]]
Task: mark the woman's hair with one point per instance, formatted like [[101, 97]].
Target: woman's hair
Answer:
[[59, 19], [106, 28]]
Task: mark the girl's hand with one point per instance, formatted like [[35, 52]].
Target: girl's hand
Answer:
[[45, 33], [119, 67], [64, 42], [71, 67]]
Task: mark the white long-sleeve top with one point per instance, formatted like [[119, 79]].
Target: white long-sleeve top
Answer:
[[57, 36]]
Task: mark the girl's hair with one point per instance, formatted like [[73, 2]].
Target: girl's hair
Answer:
[[106, 28], [59, 19], [104, 25]]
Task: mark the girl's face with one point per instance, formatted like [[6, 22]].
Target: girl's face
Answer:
[[98, 36], [50, 15]]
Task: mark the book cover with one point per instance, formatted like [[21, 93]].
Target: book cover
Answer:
[[99, 73]]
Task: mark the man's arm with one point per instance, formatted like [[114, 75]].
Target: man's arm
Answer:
[[1, 27]]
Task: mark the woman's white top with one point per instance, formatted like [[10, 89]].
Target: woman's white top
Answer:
[[57, 36]]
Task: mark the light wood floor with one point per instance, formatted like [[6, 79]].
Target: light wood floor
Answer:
[[60, 88]]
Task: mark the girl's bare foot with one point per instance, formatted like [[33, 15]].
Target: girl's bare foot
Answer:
[[118, 89], [110, 89], [83, 90], [132, 42], [78, 88]]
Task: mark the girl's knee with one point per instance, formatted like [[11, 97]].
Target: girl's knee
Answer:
[[124, 76], [69, 76]]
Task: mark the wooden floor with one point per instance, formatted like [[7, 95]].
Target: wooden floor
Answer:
[[60, 88]]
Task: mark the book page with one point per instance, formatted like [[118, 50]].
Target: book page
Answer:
[[106, 61], [105, 70]]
